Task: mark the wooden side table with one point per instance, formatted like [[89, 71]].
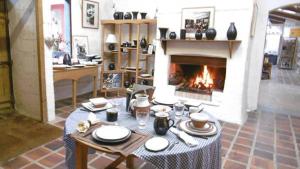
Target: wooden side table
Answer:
[[75, 74]]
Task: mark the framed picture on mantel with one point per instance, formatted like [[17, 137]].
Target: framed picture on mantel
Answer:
[[193, 19], [90, 14]]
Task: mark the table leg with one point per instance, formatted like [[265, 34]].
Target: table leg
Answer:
[[130, 162], [115, 163], [95, 87], [74, 93], [81, 156]]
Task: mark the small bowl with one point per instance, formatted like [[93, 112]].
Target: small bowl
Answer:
[[199, 119], [194, 110]]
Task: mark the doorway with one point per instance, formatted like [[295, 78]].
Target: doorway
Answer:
[[280, 85], [6, 93]]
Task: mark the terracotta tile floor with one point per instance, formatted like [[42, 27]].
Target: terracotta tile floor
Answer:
[[265, 141]]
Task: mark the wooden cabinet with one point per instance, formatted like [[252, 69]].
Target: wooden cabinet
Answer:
[[129, 60]]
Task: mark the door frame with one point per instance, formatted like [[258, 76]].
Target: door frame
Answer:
[[41, 59]]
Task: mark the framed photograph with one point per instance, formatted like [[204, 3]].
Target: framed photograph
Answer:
[[193, 19], [90, 14], [80, 47]]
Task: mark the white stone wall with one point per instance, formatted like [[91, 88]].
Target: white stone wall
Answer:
[[22, 28]]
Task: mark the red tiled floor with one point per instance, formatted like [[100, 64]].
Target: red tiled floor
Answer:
[[287, 161], [263, 154], [51, 160], [235, 155], [37, 153], [233, 165], [262, 163], [244, 141], [54, 145], [34, 166], [16, 163]]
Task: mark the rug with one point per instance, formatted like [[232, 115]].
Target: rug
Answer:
[[20, 134]]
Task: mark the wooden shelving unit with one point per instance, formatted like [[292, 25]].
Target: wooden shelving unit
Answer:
[[229, 43], [126, 30]]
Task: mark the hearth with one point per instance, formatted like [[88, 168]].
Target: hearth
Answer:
[[197, 75]]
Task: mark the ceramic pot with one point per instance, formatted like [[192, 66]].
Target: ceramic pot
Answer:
[[162, 123], [135, 14], [198, 35], [126, 84], [143, 15], [67, 60], [111, 66], [111, 46], [231, 32], [143, 43], [145, 82], [127, 15], [210, 33], [116, 15], [163, 33], [182, 34], [121, 15], [141, 103], [152, 72], [172, 35]]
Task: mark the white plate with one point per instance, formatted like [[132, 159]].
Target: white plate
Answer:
[[91, 107], [161, 108], [81, 65], [156, 144], [146, 75], [98, 101], [109, 141], [112, 132], [183, 126], [166, 100], [61, 66]]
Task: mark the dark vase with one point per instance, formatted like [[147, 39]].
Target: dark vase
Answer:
[[128, 15], [111, 46], [143, 15], [116, 15], [67, 60], [231, 32], [111, 66], [143, 43], [126, 84], [172, 35], [121, 15], [182, 34], [210, 33], [198, 35], [145, 82], [135, 14], [152, 72], [163, 33]]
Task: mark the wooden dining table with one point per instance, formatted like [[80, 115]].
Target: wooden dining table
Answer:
[[74, 74]]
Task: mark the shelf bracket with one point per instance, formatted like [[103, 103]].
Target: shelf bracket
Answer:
[[230, 47]]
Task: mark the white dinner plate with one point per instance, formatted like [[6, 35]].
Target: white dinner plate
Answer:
[[145, 75], [112, 132], [166, 100], [156, 144], [161, 108], [91, 107], [183, 126]]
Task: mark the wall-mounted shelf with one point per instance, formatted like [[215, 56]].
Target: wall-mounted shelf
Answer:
[[229, 43], [136, 21]]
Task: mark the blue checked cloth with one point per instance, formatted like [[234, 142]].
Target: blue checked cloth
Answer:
[[207, 155]]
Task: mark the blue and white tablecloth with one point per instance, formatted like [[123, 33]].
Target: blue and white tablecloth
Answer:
[[207, 155]]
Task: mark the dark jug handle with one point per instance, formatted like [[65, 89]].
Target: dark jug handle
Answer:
[[171, 124]]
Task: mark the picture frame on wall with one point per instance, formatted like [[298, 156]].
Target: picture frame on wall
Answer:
[[90, 14], [200, 18], [80, 47]]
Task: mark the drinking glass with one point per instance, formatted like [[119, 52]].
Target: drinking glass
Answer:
[[178, 110], [142, 117]]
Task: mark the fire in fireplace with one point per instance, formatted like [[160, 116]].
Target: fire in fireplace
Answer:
[[197, 74]]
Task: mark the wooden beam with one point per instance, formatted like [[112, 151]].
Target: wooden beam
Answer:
[[293, 8], [274, 17], [285, 15]]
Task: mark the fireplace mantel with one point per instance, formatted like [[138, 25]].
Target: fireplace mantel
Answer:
[[228, 43]]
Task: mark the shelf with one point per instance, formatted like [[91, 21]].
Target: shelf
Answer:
[[110, 52], [145, 78], [136, 21], [230, 43], [128, 48], [113, 71]]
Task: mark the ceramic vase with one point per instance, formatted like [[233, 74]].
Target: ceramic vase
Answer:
[[143, 43], [141, 103], [127, 15], [116, 15], [163, 33], [172, 35], [182, 34], [198, 35], [135, 14], [210, 34], [231, 32], [111, 66], [143, 15]]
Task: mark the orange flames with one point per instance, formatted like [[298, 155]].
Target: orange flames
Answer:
[[203, 80]]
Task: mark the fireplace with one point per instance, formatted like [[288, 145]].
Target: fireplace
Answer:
[[197, 77]]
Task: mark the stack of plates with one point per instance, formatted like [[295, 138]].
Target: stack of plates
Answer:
[[91, 107], [111, 134], [161, 108], [208, 130]]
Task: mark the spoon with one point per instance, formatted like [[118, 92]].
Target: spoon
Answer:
[[170, 148]]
